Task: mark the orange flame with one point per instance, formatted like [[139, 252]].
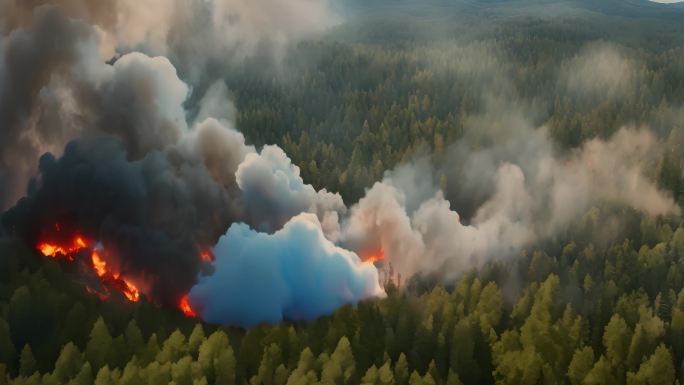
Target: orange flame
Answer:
[[184, 306], [378, 256], [54, 250], [129, 290], [207, 255], [99, 265]]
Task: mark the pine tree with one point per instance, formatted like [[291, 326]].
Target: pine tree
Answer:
[[27, 363], [84, 376], [657, 370], [401, 374], [224, 367], [99, 345], [134, 339], [196, 338], [69, 363], [581, 364]]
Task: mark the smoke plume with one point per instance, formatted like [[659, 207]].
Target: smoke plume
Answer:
[[103, 142], [273, 192], [294, 273], [538, 199], [54, 82]]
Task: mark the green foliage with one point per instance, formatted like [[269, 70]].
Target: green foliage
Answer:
[[27, 363], [578, 309]]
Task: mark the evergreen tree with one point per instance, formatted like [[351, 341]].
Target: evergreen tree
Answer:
[[99, 345], [27, 363]]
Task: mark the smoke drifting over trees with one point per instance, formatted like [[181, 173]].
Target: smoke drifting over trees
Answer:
[[294, 273], [128, 168], [151, 190]]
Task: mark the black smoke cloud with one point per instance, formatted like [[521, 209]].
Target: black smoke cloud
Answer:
[[150, 215], [133, 176]]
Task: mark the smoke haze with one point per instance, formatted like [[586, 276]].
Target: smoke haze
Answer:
[[114, 127]]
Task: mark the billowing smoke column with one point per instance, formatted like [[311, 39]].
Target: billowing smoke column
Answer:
[[420, 233], [52, 66], [148, 192], [123, 172], [273, 192], [294, 273]]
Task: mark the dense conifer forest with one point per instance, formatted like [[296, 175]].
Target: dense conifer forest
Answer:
[[601, 302]]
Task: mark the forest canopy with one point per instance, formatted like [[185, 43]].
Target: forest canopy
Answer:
[[592, 292]]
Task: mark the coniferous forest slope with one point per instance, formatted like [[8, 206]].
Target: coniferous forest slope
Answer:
[[555, 130]]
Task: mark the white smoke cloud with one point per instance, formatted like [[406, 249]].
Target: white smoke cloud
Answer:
[[535, 199], [607, 171], [433, 239], [295, 273], [273, 192], [216, 104], [599, 71], [379, 221], [162, 26]]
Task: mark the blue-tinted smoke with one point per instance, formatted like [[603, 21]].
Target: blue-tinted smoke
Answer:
[[295, 273]]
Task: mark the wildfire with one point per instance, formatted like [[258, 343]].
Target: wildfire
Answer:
[[109, 278], [129, 290], [378, 256], [184, 306], [207, 256], [54, 250]]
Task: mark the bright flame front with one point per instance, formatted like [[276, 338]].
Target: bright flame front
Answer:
[[110, 279], [114, 279], [54, 250], [184, 306]]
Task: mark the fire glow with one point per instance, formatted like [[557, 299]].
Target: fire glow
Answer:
[[109, 276], [207, 256], [184, 306], [378, 256], [54, 250], [114, 279]]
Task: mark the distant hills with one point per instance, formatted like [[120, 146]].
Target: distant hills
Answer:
[[639, 23], [625, 8]]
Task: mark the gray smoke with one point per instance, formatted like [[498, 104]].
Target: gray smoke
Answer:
[[598, 72], [534, 200], [273, 192], [54, 83], [507, 184]]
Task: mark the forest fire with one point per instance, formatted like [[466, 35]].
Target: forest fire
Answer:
[[375, 257], [184, 306], [114, 279], [207, 256], [54, 250], [110, 279], [95, 257]]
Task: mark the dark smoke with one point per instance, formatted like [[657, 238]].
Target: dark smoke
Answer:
[[30, 58], [149, 214], [125, 168]]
